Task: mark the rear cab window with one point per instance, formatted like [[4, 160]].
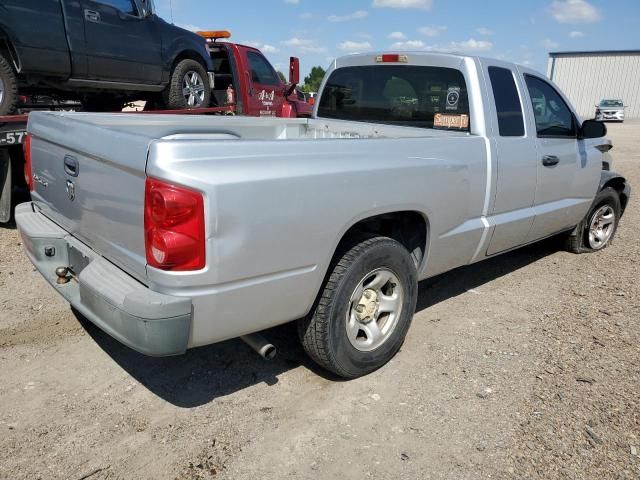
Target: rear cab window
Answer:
[[405, 95]]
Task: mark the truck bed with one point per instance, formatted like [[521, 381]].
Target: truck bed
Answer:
[[279, 194], [155, 127]]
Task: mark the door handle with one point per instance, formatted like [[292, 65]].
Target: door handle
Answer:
[[92, 16], [550, 160], [71, 166]]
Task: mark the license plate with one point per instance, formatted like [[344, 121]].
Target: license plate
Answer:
[[12, 138]]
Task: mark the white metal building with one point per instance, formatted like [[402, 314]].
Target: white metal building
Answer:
[[588, 77]]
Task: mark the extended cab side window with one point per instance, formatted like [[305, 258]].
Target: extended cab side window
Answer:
[[125, 6], [508, 106], [261, 71], [553, 116]]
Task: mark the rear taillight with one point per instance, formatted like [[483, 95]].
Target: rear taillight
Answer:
[[28, 170], [173, 227]]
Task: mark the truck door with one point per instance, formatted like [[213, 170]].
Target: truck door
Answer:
[[568, 174], [515, 149], [122, 45], [37, 29], [265, 88]]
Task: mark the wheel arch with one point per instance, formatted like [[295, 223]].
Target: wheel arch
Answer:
[[407, 226], [187, 54], [8, 50], [619, 184]]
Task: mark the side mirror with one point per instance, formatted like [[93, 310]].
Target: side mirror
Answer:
[[294, 71], [593, 129]]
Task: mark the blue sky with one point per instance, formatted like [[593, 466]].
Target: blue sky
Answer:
[[522, 31]]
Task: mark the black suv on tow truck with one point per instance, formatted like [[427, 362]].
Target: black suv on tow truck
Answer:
[[103, 53]]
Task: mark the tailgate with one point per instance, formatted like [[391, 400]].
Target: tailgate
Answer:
[[90, 180]]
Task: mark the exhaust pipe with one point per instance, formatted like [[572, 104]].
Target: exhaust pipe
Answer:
[[260, 345]]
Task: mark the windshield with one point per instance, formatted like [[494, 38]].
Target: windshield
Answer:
[[611, 103], [412, 96]]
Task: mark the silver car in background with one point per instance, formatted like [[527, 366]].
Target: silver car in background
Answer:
[[610, 110]]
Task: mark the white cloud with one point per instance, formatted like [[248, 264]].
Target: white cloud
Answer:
[[354, 47], [304, 45], [431, 31], [471, 45], [485, 31], [466, 46], [292, 2], [550, 44], [306, 16], [420, 4], [576, 34], [264, 47], [574, 11], [357, 15], [397, 36], [409, 45]]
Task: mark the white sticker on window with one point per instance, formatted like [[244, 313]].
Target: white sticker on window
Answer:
[[453, 98]]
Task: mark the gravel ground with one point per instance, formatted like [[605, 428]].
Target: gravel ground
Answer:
[[522, 367]]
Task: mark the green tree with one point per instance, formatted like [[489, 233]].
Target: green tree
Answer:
[[313, 80]]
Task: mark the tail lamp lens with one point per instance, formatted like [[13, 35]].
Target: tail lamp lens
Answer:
[[174, 227], [28, 169]]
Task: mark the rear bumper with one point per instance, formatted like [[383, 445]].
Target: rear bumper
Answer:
[[148, 322]]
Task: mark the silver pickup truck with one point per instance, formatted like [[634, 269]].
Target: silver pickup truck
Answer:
[[171, 232]]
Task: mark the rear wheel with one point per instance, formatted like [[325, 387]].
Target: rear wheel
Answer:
[[599, 226], [189, 86], [364, 312], [8, 88]]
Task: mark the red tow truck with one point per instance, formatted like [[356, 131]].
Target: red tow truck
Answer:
[[245, 83]]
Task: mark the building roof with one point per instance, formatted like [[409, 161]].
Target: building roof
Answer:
[[594, 52]]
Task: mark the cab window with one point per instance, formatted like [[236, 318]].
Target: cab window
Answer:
[[508, 107], [125, 6], [553, 116], [407, 95], [261, 71]]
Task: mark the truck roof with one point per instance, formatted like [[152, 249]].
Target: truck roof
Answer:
[[356, 58]]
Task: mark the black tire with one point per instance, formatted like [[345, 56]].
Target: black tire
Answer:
[[324, 331], [8, 88], [173, 95], [580, 242]]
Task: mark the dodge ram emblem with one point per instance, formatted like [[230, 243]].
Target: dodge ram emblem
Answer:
[[71, 190]]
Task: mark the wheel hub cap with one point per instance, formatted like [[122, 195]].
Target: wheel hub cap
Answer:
[[601, 227], [374, 309], [367, 306], [193, 89]]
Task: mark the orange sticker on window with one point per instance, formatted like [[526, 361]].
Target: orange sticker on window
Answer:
[[441, 120]]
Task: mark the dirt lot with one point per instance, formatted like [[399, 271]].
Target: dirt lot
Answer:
[[523, 367]]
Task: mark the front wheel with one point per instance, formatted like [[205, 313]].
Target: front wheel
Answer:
[[365, 309], [599, 226], [189, 86]]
